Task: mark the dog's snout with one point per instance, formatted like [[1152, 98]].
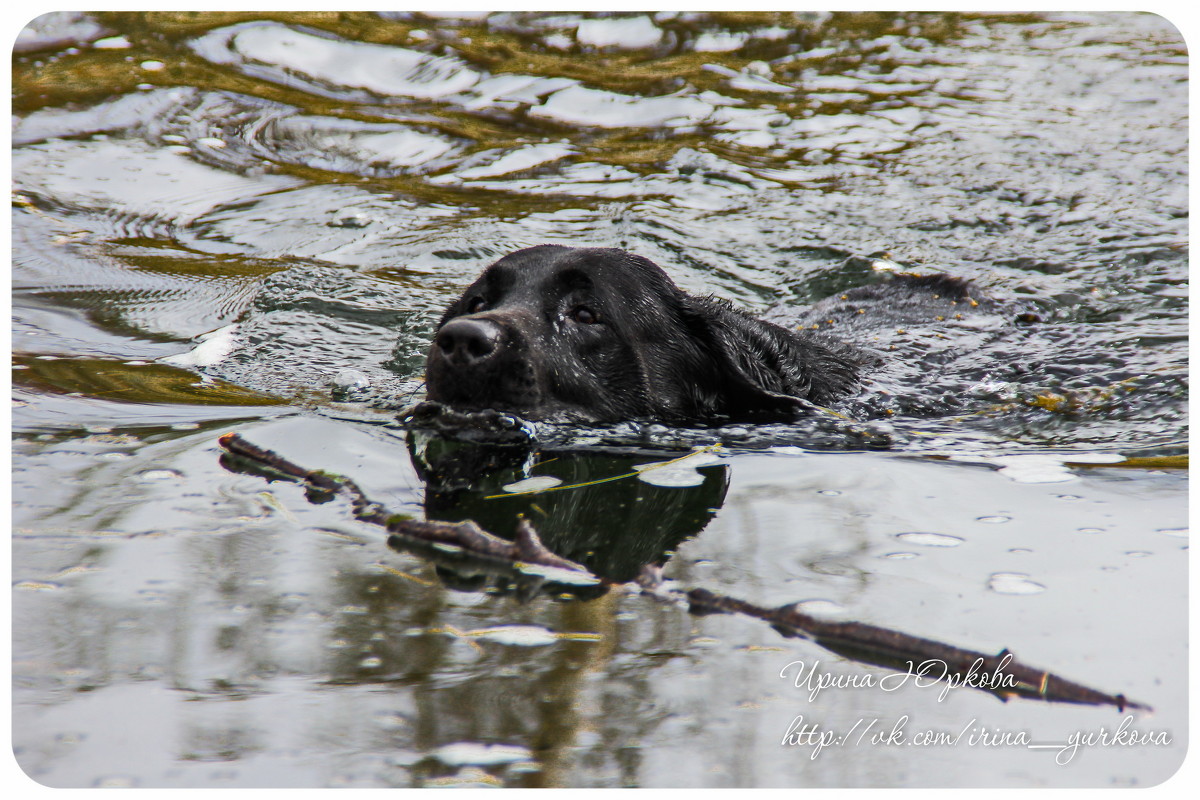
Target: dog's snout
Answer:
[[465, 341]]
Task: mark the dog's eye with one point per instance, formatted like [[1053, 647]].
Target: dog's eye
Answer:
[[584, 315], [475, 305]]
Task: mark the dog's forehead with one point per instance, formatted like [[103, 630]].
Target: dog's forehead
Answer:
[[576, 267]]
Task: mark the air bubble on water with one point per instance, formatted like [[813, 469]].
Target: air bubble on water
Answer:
[[1014, 583], [480, 754], [930, 539], [160, 474]]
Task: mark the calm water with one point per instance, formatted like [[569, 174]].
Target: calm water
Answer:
[[250, 222]]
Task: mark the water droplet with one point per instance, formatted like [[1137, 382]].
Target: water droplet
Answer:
[[1180, 533], [899, 556], [995, 520]]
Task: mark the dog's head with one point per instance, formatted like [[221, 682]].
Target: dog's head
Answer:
[[591, 334]]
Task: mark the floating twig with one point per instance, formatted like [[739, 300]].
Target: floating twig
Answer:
[[1000, 674]]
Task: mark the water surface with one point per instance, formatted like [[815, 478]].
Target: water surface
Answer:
[[250, 222]]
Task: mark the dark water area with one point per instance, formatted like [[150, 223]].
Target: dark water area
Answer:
[[251, 222]]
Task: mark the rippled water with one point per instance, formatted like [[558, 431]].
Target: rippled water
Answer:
[[251, 222]]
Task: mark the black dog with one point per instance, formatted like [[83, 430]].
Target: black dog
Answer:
[[592, 335]]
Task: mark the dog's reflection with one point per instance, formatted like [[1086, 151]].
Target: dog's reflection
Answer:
[[597, 509]]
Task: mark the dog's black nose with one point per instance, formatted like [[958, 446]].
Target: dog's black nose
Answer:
[[464, 341]]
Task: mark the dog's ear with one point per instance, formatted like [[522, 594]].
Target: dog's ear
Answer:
[[755, 369]]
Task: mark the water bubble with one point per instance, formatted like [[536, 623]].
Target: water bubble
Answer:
[[160, 475], [111, 43], [350, 379], [480, 754], [930, 539], [1014, 583], [824, 609], [391, 720]]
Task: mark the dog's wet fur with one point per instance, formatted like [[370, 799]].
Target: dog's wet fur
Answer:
[[598, 334]]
